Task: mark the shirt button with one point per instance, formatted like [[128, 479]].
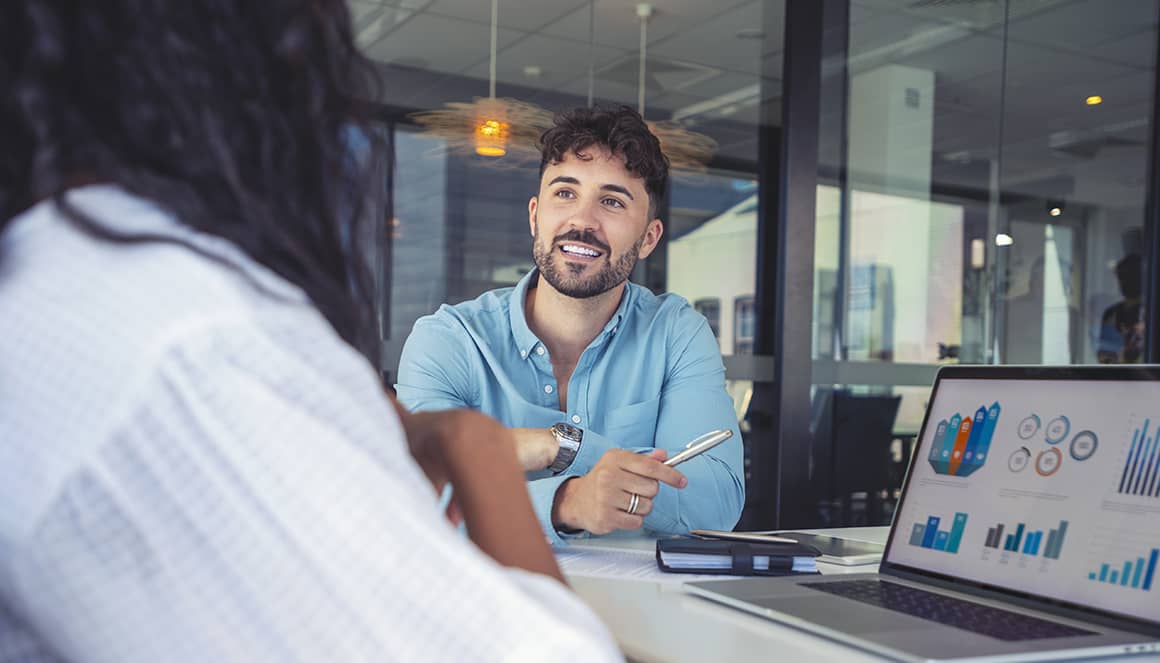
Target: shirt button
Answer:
[[523, 354], [575, 418], [547, 389], [540, 350]]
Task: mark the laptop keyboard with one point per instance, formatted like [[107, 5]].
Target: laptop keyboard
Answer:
[[967, 615]]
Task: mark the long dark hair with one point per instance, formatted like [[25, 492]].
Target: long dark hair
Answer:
[[234, 115]]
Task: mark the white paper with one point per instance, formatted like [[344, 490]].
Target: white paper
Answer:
[[636, 565]]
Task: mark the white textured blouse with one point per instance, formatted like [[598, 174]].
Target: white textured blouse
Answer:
[[194, 470]]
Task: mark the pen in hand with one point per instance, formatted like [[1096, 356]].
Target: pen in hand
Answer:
[[700, 446]]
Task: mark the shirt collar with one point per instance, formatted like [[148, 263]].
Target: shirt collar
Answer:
[[526, 340]]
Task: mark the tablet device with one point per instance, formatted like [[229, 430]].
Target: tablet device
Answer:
[[837, 550]]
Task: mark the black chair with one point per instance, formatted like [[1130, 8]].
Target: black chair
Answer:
[[853, 468]]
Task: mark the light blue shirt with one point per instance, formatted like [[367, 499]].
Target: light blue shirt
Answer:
[[652, 378]]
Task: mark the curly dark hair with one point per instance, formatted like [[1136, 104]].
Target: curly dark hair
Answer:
[[235, 116], [623, 131]]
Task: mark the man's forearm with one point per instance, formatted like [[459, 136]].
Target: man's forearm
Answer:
[[536, 448], [713, 500]]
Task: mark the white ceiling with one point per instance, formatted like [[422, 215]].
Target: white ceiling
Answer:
[[702, 61]]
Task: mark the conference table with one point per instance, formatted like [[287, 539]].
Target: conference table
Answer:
[[654, 619]]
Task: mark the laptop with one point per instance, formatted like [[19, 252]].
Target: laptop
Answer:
[[1028, 527]]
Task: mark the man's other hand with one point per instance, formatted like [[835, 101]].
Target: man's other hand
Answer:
[[600, 500]]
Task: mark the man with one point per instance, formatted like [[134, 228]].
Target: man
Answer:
[[601, 379], [1121, 338]]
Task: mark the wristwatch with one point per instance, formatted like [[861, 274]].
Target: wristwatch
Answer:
[[568, 437]]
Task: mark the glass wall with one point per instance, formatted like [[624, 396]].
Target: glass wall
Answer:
[[982, 199], [460, 219], [980, 193]]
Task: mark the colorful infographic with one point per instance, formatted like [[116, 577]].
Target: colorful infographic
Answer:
[[960, 445], [928, 535], [1049, 459], [1141, 475]]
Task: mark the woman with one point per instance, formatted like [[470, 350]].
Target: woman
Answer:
[[196, 464]]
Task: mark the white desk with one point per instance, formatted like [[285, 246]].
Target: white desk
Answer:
[[659, 622], [654, 621]]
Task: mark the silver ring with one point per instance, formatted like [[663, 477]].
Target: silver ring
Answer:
[[633, 503]]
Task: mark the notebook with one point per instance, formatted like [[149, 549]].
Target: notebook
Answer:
[[1028, 527], [744, 558]]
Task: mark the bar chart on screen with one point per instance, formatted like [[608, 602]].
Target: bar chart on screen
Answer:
[[928, 535], [1134, 573], [1141, 472], [1022, 540]]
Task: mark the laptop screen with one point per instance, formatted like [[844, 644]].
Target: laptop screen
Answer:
[[1048, 486]]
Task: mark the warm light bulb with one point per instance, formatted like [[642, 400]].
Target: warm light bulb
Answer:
[[1055, 211], [1003, 239], [491, 138], [1094, 100]]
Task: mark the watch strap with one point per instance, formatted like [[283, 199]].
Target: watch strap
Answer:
[[569, 438]]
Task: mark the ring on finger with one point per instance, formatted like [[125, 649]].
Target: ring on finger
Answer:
[[633, 503]]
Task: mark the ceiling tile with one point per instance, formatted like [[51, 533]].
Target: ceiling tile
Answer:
[[617, 24], [525, 15], [1080, 25], [438, 43], [559, 60], [715, 42]]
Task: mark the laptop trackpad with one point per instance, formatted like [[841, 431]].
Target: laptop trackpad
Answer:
[[846, 616]]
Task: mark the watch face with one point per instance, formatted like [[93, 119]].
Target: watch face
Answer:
[[568, 431]]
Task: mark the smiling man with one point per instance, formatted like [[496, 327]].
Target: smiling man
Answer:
[[601, 379]]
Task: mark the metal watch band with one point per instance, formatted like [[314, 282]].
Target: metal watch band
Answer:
[[569, 438]]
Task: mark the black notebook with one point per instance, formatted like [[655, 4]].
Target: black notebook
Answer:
[[735, 557]]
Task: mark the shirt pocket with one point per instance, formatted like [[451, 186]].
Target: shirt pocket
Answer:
[[633, 425]]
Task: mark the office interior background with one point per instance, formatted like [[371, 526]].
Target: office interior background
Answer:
[[896, 185]]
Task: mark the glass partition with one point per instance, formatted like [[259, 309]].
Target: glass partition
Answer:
[[982, 201], [459, 217]]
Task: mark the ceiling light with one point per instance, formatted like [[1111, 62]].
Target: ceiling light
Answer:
[[1094, 100], [1003, 239], [491, 137], [490, 127]]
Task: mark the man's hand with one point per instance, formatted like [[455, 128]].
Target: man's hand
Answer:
[[536, 448], [598, 501]]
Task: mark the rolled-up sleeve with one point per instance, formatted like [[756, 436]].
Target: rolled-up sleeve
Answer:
[[434, 368], [694, 401]]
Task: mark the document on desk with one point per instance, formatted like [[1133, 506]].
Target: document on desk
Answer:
[[639, 565]]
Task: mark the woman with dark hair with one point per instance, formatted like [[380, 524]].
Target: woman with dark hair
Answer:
[[197, 460]]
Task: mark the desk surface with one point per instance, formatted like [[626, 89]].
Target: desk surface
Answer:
[[654, 621]]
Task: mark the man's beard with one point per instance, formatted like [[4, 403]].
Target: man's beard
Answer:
[[568, 279]]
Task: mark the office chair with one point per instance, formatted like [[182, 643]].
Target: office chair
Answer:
[[851, 457]]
